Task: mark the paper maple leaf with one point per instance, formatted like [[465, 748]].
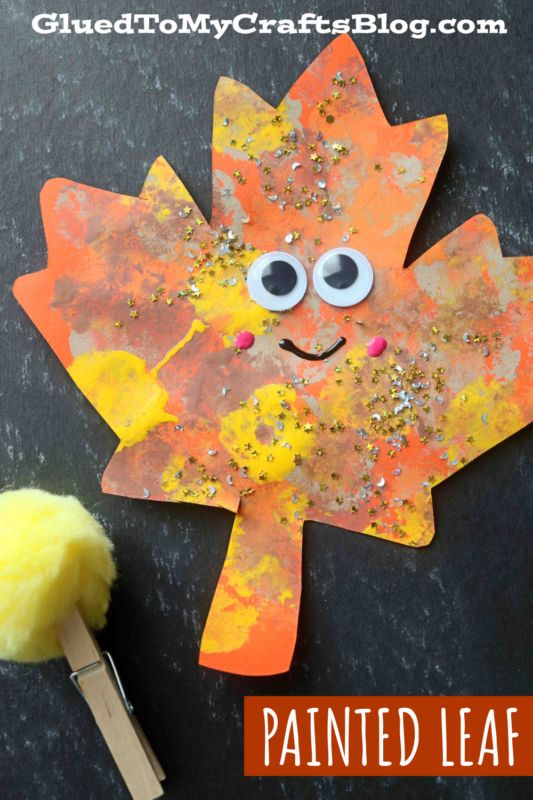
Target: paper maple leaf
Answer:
[[142, 301]]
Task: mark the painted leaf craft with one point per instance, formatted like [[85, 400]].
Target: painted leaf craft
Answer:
[[143, 301]]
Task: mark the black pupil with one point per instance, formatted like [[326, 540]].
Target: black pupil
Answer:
[[339, 271], [279, 277]]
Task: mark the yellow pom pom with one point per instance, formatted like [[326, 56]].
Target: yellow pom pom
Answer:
[[53, 555]]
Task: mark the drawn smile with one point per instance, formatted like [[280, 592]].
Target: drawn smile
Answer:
[[288, 344]]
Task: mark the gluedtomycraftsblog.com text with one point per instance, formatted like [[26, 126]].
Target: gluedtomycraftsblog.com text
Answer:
[[250, 23]]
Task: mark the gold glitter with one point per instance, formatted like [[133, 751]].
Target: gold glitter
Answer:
[[130, 301], [119, 323], [134, 314]]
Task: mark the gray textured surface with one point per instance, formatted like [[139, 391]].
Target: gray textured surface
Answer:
[[376, 619]]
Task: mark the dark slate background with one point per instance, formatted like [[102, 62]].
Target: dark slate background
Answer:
[[376, 618]]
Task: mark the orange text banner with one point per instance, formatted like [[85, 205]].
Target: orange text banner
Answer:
[[388, 735]]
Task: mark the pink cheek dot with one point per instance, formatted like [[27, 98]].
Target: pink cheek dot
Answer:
[[244, 340], [376, 346]]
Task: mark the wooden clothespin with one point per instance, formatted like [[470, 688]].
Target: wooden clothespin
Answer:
[[96, 677], [56, 571]]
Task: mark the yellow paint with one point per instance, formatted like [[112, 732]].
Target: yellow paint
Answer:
[[246, 586], [229, 623], [249, 116], [123, 391], [197, 327], [438, 123], [229, 309], [169, 482], [162, 177], [415, 522], [464, 416], [266, 574], [238, 431], [338, 400]]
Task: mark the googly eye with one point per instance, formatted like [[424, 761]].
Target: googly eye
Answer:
[[343, 277], [277, 281]]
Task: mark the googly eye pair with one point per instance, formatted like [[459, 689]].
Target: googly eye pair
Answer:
[[342, 277]]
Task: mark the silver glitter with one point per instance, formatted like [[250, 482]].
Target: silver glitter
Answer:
[[225, 390], [295, 165], [178, 427], [381, 483], [289, 238], [212, 452], [146, 493]]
